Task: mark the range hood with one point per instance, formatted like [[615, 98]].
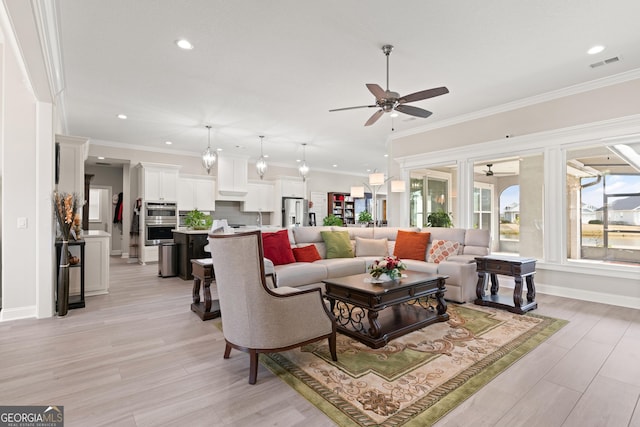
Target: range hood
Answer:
[[232, 175]]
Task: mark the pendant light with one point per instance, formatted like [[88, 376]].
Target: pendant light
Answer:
[[261, 164], [208, 156], [303, 168]]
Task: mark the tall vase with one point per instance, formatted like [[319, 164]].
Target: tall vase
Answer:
[[63, 280]]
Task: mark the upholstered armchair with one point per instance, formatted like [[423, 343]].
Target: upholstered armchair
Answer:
[[255, 318]]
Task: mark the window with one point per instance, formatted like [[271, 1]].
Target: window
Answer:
[[94, 205], [516, 208], [603, 191], [482, 205], [430, 192]]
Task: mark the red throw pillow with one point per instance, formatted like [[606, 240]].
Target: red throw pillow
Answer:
[[277, 248], [411, 245], [306, 254]]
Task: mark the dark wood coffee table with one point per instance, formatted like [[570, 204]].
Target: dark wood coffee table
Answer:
[[392, 308]]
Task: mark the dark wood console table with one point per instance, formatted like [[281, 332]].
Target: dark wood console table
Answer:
[[516, 267], [202, 270]]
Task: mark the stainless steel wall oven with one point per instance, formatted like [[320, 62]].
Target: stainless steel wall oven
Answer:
[[160, 218]]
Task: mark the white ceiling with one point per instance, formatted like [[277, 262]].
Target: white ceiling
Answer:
[[276, 67]]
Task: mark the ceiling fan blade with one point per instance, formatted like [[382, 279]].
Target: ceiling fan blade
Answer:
[[413, 111], [352, 108], [374, 118], [425, 94], [376, 90]]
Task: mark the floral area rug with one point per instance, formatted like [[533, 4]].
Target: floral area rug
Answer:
[[417, 378]]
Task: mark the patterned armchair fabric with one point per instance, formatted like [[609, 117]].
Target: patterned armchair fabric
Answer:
[[257, 319]]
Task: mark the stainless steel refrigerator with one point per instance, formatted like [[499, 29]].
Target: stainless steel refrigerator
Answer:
[[295, 212]]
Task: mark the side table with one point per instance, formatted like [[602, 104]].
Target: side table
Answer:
[[202, 270], [516, 267]]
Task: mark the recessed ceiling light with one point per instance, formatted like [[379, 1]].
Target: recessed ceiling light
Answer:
[[184, 44], [218, 149], [298, 160], [595, 49], [335, 166], [266, 156], [100, 158], [168, 142], [386, 155], [122, 116]]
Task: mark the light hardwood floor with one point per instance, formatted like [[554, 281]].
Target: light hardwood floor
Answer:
[[140, 357]]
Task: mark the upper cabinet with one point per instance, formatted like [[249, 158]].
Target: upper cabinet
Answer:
[[158, 182], [196, 193], [232, 175], [260, 197], [71, 152], [291, 187]]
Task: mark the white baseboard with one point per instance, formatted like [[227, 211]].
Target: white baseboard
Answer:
[[17, 313]]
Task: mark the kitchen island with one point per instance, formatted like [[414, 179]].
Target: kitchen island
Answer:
[[190, 245]]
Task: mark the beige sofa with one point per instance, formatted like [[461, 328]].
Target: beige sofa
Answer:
[[461, 268]]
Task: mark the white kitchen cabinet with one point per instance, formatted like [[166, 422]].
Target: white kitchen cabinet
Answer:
[[260, 197], [158, 182], [196, 193], [292, 187], [96, 262], [232, 175]]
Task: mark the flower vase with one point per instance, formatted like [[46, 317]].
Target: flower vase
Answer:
[[386, 277], [63, 280]]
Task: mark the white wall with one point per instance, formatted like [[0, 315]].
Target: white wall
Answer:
[[27, 182]]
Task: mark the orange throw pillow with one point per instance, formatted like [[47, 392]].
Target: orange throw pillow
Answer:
[[307, 253], [411, 245]]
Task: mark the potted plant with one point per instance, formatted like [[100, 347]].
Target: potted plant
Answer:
[[439, 219], [332, 220], [364, 217], [197, 220]]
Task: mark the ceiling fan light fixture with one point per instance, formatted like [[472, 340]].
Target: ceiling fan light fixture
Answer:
[[261, 164], [209, 156], [303, 169]]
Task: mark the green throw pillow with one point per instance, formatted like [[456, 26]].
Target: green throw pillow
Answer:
[[338, 244]]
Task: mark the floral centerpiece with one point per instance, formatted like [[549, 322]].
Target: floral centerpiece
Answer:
[[389, 267]]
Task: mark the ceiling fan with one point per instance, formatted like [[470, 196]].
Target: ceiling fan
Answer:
[[490, 172], [388, 101]]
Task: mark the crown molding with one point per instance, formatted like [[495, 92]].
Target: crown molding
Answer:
[[525, 102]]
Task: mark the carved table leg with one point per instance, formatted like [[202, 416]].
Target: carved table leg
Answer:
[[531, 289], [494, 284], [442, 304], [196, 290], [207, 294], [374, 329], [517, 292], [482, 278]]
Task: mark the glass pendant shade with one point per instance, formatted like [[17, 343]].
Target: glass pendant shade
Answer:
[[208, 156], [261, 164], [303, 169]]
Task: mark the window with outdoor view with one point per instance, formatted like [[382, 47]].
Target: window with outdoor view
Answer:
[[516, 203], [603, 196]]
